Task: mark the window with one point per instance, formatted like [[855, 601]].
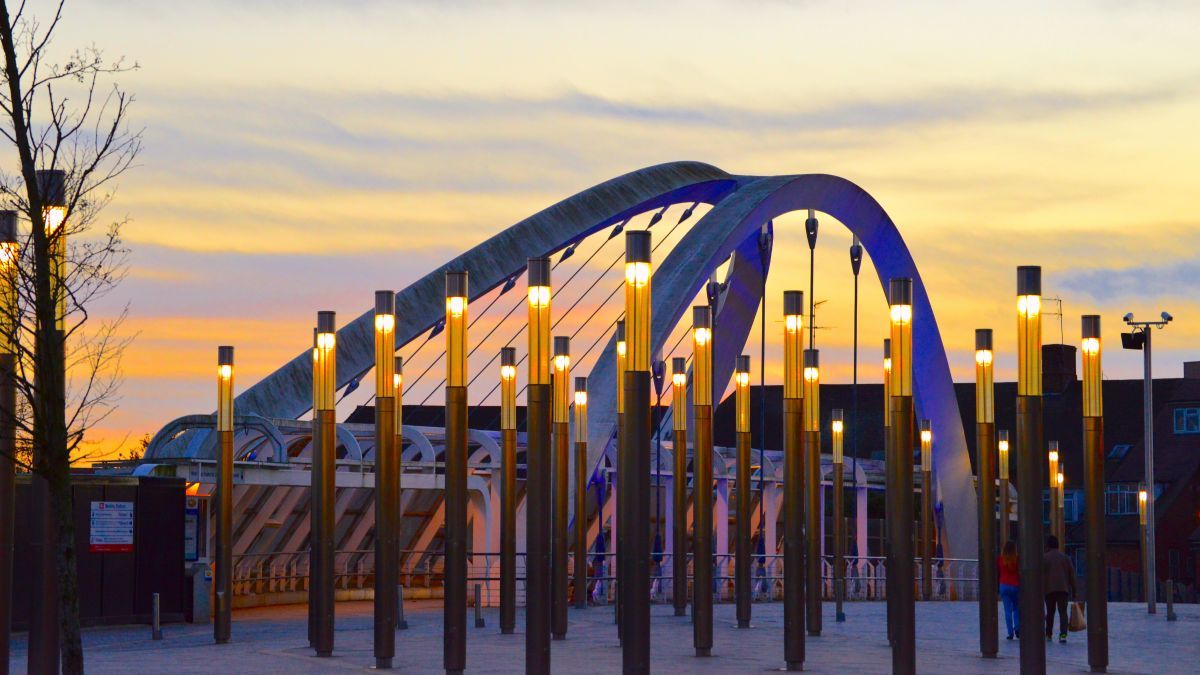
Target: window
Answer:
[[1121, 499], [1119, 451], [1187, 421], [1072, 505]]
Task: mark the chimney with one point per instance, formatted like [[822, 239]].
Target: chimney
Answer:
[[1058, 368], [1191, 370]]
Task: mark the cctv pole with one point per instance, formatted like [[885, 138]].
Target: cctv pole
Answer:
[[1029, 464], [1093, 477], [1148, 424]]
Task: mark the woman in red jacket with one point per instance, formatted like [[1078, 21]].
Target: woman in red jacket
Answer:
[[1010, 583]]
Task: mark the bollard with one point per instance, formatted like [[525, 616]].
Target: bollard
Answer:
[[478, 608], [401, 622], [155, 620], [1170, 600]]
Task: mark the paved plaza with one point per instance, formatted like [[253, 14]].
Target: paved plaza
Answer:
[[273, 640]]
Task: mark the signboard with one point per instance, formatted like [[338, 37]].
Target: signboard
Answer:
[[191, 528], [111, 527]]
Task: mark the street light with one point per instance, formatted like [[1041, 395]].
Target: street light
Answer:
[[926, 510], [679, 448], [889, 488], [812, 488], [837, 426], [455, 567], [581, 475], [223, 616], [9, 257], [900, 497], [1002, 484], [702, 529], [985, 425], [1052, 457], [323, 468], [1143, 510], [387, 481], [1029, 449], [508, 490], [1093, 477], [622, 350], [538, 472], [562, 433], [741, 572], [793, 479], [1140, 338]]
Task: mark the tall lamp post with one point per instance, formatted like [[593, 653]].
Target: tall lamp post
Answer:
[[837, 426], [1060, 481], [1002, 485], [1093, 472], [9, 257], [457, 377], [508, 490], [926, 511], [398, 440], [985, 433], [561, 459], [1052, 485], [621, 519], [223, 616], [387, 477], [793, 479], [1029, 443], [702, 549], [581, 476], [741, 571], [900, 468], [538, 502], [323, 485], [679, 558], [812, 486], [889, 582], [1140, 339], [636, 553]]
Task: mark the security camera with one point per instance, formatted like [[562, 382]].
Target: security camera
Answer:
[[1166, 316], [1128, 317]]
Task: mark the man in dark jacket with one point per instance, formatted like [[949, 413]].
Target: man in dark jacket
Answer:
[[1059, 576]]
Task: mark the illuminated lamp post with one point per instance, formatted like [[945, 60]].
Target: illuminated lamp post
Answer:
[[1052, 476], [837, 426], [43, 616], [398, 439], [741, 571], [538, 490], [679, 446], [1062, 509], [323, 486], [1143, 498], [636, 462], [1002, 485], [387, 481], [926, 511], [793, 479], [454, 608], [622, 519], [900, 468], [1031, 532], [581, 476], [1093, 472], [223, 615], [9, 257], [559, 464], [812, 486], [508, 490], [702, 481], [985, 430], [889, 489]]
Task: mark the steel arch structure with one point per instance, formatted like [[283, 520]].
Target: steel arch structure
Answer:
[[741, 206]]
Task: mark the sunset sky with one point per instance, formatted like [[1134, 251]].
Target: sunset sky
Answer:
[[300, 155]]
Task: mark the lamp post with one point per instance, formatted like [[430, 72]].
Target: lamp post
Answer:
[[1002, 485], [323, 485], [43, 616], [793, 479], [889, 491], [9, 257], [538, 500], [636, 553], [1143, 508], [1052, 476], [926, 511], [398, 441], [985, 430], [679, 446], [455, 586], [560, 461], [1141, 340], [222, 617], [812, 486], [1062, 510], [508, 490], [622, 520], [702, 562], [1093, 490], [1029, 444], [581, 475], [900, 468], [387, 476], [741, 569], [837, 426]]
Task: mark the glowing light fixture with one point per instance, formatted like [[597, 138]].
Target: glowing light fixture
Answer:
[[742, 393], [456, 329], [1029, 331], [637, 298]]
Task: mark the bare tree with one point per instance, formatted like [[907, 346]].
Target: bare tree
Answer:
[[62, 115]]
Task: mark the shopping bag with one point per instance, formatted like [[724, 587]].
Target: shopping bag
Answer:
[[1078, 622]]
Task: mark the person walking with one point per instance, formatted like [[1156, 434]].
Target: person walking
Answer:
[[1059, 576], [1010, 586]]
